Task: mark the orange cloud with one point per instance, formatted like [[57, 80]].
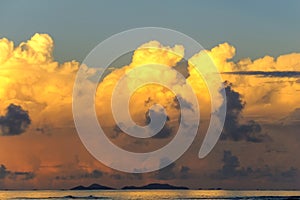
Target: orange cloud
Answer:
[[31, 78]]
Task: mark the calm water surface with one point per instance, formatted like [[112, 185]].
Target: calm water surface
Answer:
[[149, 194]]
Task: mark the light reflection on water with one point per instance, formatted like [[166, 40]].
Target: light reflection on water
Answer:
[[149, 194]]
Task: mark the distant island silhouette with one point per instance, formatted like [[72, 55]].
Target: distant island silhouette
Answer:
[[92, 187], [151, 186]]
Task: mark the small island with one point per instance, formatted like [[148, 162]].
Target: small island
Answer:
[[151, 186], [92, 187]]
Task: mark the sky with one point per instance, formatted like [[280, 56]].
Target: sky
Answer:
[[255, 46], [257, 28]]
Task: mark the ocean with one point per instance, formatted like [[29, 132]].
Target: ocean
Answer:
[[148, 194]]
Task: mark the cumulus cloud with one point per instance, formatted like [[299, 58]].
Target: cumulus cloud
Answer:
[[288, 62], [274, 77], [233, 128], [147, 96], [46, 87], [15, 121], [33, 80]]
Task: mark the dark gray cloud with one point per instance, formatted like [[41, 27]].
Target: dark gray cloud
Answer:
[[290, 173], [172, 171], [166, 131], [45, 129], [21, 175], [184, 172], [233, 128], [116, 132], [126, 176], [86, 175], [231, 169], [116, 176], [166, 173], [3, 172], [182, 67], [184, 104], [278, 74], [276, 175], [134, 176], [15, 175], [94, 174], [15, 121], [157, 116]]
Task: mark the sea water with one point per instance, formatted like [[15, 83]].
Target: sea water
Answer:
[[148, 194]]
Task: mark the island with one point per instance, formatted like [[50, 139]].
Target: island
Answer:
[[151, 186], [92, 187]]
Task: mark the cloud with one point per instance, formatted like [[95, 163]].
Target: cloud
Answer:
[[126, 176], [165, 132], [184, 103], [279, 80], [3, 172], [166, 173], [15, 121], [32, 79], [116, 176], [253, 79], [147, 96], [231, 169], [184, 172], [21, 175], [290, 173], [95, 174], [172, 171], [15, 175], [279, 74], [292, 119], [233, 128], [116, 132], [157, 116], [154, 52], [46, 87], [268, 63]]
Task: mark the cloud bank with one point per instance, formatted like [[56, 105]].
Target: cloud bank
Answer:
[[36, 98]]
